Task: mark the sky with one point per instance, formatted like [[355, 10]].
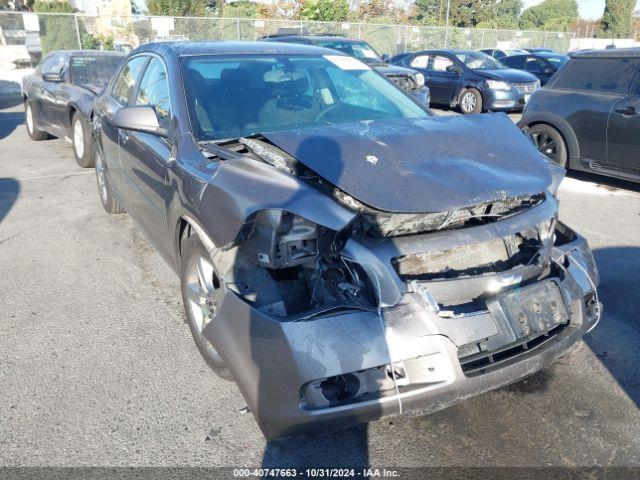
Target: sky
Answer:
[[589, 9]]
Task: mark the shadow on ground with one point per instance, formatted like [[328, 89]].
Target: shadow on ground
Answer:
[[9, 192], [616, 340]]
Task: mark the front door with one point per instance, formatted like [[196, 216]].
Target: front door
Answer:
[[623, 132], [145, 157], [442, 82]]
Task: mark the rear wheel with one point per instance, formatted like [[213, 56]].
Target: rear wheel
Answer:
[[32, 123], [82, 141], [201, 289], [470, 101], [549, 142], [109, 201]]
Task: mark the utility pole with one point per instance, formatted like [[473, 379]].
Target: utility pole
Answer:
[[446, 24]]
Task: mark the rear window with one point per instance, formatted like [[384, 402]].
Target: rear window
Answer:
[[98, 70], [605, 75]]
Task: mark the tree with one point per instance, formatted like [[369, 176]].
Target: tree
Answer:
[[617, 21], [177, 8], [325, 10], [240, 9], [57, 32], [550, 15], [463, 13], [289, 9]]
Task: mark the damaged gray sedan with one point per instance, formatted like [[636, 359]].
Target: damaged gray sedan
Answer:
[[343, 254]]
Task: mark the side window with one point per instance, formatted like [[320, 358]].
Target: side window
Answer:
[[154, 90], [420, 61], [605, 75], [499, 54], [535, 65], [127, 79], [440, 63], [514, 62]]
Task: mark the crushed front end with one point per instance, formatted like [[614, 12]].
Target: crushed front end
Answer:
[[395, 312]]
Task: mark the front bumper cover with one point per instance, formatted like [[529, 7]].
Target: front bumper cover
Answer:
[[276, 363]]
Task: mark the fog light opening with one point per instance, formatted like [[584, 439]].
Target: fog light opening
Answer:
[[340, 388]]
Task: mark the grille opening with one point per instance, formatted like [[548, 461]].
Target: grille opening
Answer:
[[475, 365]]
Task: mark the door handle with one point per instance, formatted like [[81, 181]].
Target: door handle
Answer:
[[628, 110]]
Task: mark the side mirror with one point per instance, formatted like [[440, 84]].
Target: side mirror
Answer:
[[454, 69], [548, 70], [141, 118], [52, 77], [385, 58]]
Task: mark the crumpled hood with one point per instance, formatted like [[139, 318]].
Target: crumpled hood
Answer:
[[422, 165]]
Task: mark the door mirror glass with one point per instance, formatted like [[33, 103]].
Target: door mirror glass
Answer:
[[52, 77], [139, 118]]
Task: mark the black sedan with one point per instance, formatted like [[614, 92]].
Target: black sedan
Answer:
[[470, 80], [542, 64], [59, 96], [343, 253]]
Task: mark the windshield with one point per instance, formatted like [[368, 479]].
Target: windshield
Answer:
[[360, 50], [86, 70], [238, 96], [479, 61]]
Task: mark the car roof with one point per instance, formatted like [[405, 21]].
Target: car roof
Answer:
[[450, 51], [316, 38], [89, 53], [612, 53], [184, 49]]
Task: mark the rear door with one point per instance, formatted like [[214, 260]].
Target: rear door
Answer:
[[623, 131], [145, 157], [590, 88]]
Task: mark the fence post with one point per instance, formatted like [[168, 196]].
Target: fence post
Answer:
[[75, 17], [238, 27], [482, 40], [406, 38]]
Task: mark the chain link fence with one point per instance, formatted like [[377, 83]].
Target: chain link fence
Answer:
[[42, 33]]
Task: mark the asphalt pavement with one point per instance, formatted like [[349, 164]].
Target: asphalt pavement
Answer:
[[97, 365]]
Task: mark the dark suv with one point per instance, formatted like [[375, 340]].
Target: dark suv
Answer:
[[587, 116], [407, 79]]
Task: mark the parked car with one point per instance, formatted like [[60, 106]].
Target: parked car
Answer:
[[543, 65], [407, 79], [343, 254], [500, 53], [541, 50], [588, 116], [471, 81], [59, 95]]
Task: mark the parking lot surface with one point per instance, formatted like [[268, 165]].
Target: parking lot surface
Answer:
[[97, 365]]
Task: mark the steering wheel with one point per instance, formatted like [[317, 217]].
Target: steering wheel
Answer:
[[325, 112]]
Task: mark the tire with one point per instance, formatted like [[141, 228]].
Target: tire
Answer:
[[109, 201], [470, 101], [549, 142], [199, 283], [31, 121], [82, 141]]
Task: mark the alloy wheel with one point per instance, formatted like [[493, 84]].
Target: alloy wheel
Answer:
[[102, 179], [29, 118], [78, 138], [545, 144], [468, 102], [201, 284]]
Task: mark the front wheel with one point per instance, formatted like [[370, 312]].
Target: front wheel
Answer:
[[109, 201], [470, 101], [32, 124], [82, 141], [549, 142], [201, 286]]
